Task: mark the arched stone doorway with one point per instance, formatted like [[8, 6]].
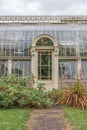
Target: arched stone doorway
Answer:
[[44, 63]]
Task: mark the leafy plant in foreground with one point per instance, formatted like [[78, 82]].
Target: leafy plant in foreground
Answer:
[[36, 98]]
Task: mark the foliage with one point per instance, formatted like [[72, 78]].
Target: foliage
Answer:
[[77, 118], [35, 98], [14, 92], [74, 96], [14, 119], [54, 95], [13, 79]]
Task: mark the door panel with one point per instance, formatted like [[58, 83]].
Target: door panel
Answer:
[[44, 65]]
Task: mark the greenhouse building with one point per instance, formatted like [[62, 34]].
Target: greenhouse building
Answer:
[[52, 48]]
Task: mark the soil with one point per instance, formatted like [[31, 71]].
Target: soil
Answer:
[[48, 119]]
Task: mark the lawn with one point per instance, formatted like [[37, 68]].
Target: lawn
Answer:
[[14, 119], [77, 118]]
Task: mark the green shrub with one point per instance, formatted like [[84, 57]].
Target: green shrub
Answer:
[[9, 95], [13, 92], [34, 98]]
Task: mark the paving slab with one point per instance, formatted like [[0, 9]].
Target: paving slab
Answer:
[[48, 119]]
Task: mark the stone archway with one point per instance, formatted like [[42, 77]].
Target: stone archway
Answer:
[[42, 36], [44, 65]]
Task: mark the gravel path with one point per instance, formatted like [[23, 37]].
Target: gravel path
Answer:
[[48, 119]]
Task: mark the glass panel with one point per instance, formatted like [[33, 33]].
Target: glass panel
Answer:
[[44, 65], [67, 49], [17, 40], [67, 42], [3, 68], [14, 41], [84, 70], [83, 48], [67, 69], [44, 42], [21, 68], [83, 43]]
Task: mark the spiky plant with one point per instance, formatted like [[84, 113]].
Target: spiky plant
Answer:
[[74, 96]]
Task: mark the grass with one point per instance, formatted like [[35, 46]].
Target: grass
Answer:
[[14, 119], [77, 118]]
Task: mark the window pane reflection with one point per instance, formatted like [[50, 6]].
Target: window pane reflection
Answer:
[[3, 68], [45, 65], [83, 43], [67, 49], [67, 69], [84, 70], [44, 42], [14, 42], [21, 68]]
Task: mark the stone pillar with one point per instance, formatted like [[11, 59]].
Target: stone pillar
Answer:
[[9, 67], [79, 69], [55, 67], [34, 64]]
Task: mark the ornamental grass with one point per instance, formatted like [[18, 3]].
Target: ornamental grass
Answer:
[[74, 96]]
